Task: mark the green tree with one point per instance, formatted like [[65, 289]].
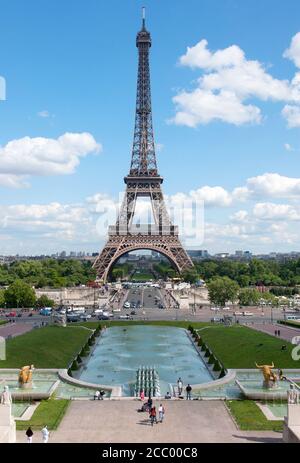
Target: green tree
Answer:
[[19, 294], [222, 290], [2, 299], [44, 301], [190, 276], [249, 296]]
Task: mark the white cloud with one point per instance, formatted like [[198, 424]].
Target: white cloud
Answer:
[[288, 147], [272, 185], [43, 156], [44, 113], [292, 115], [273, 211], [293, 52], [204, 106], [228, 80], [212, 196]]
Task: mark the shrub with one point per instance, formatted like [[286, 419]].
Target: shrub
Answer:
[[79, 359], [217, 366], [211, 359], [207, 352], [200, 342], [223, 373], [74, 365]]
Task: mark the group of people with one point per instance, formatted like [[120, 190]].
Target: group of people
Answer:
[[44, 431], [277, 332], [151, 409], [188, 389], [99, 395]]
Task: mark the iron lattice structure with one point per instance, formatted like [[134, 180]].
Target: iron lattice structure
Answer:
[[143, 180]]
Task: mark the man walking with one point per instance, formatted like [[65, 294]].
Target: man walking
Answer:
[[29, 434], [188, 392], [45, 434], [180, 386], [153, 415], [161, 412]]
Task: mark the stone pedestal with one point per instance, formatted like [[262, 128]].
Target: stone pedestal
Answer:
[[184, 302], [7, 425], [26, 385], [291, 426], [269, 384]]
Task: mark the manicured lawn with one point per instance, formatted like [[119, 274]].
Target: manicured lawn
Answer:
[[49, 412], [241, 347], [249, 417], [3, 322], [143, 276], [49, 347]]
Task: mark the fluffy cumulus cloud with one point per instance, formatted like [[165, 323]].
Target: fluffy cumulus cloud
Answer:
[[264, 221], [228, 81], [26, 157], [292, 115], [274, 211], [293, 52], [270, 185]]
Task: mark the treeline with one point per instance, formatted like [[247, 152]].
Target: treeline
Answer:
[[252, 273], [48, 272]]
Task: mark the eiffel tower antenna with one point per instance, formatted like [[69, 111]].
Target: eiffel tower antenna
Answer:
[[143, 180]]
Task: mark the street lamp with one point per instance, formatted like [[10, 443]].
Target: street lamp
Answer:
[[272, 314]]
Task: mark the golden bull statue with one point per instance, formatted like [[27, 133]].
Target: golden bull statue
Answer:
[[25, 374], [269, 376]]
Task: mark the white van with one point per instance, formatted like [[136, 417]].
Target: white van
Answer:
[[79, 309]]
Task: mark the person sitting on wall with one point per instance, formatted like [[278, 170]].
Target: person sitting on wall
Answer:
[[168, 395], [97, 395], [102, 394]]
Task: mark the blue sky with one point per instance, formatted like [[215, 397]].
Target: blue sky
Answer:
[[70, 68]]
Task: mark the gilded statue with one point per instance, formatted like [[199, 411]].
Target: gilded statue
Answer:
[[25, 374], [269, 375]]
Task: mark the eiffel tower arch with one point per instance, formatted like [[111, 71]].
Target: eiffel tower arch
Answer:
[[143, 180]]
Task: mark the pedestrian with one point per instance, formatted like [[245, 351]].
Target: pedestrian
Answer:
[[275, 332], [161, 412], [180, 386], [45, 434], [142, 395], [188, 392], [278, 332], [97, 395], [152, 415], [29, 434]]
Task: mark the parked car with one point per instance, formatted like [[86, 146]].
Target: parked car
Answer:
[[133, 312], [46, 311], [72, 317], [124, 317], [85, 317], [102, 317], [216, 319], [247, 314], [11, 314], [126, 305]]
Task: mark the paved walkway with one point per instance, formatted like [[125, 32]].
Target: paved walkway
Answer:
[[286, 333], [15, 329], [119, 421]]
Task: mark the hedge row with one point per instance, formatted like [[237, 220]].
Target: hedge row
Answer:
[[84, 351], [210, 357]]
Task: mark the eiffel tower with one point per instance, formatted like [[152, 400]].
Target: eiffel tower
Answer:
[[143, 180]]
